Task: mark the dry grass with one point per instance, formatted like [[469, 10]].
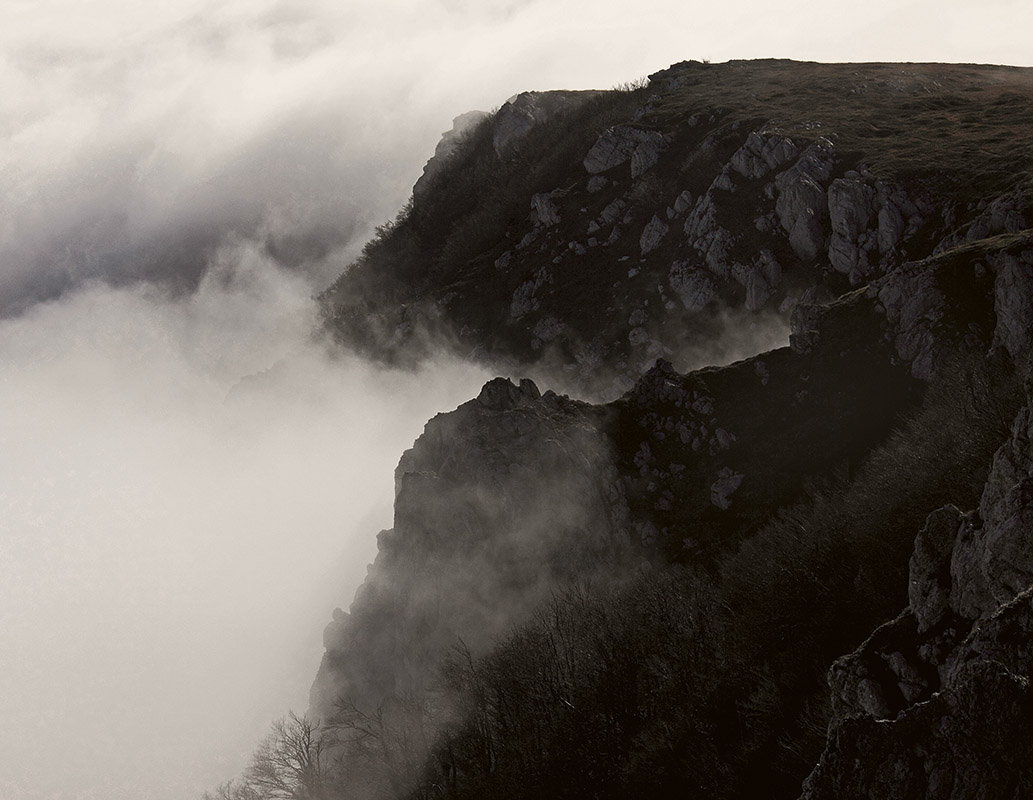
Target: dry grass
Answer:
[[966, 128]]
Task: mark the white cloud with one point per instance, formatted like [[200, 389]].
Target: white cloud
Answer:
[[173, 540], [164, 550], [122, 125]]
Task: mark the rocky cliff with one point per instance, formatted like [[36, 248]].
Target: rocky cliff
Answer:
[[634, 225], [800, 298], [935, 704]]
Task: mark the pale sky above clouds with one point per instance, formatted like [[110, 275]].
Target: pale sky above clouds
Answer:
[[163, 554], [124, 123]]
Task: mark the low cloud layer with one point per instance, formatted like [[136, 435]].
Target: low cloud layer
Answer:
[[174, 539], [177, 182]]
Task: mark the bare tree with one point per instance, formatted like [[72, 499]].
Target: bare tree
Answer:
[[292, 763], [233, 790], [391, 741]]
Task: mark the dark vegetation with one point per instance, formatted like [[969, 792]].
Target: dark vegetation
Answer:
[[694, 683], [701, 674], [952, 126], [680, 680], [952, 135], [817, 416], [480, 207]]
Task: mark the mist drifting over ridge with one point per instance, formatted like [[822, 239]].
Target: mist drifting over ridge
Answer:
[[172, 543], [178, 182]]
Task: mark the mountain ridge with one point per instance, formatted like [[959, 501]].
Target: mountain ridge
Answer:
[[642, 593]]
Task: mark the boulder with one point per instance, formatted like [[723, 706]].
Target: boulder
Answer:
[[929, 574], [801, 205], [652, 235], [693, 286], [624, 143], [545, 210], [763, 153], [852, 212]]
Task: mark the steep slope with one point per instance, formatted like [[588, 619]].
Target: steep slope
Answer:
[[936, 703], [629, 225], [498, 507], [641, 595]]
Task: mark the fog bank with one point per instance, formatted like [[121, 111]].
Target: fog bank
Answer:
[[178, 180], [173, 541]]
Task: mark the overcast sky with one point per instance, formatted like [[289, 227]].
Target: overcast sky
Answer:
[[170, 547]]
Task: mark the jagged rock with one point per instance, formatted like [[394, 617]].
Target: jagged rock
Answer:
[[502, 395], [647, 154], [953, 671], [524, 300], [1005, 638], [723, 182], [494, 502], [520, 114], [714, 242], [929, 584], [1013, 288], [622, 143], [1006, 214], [993, 563], [763, 153], [683, 202], [545, 209], [939, 750], [852, 212], [612, 212], [597, 183], [694, 287], [652, 235], [898, 217], [863, 683], [802, 205], [914, 304]]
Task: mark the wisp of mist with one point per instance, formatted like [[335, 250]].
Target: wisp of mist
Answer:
[[174, 537], [189, 483]]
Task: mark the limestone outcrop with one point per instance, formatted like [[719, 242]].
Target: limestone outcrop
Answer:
[[932, 698], [611, 248], [494, 503]]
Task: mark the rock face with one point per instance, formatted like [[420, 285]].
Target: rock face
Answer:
[[769, 205], [517, 493], [600, 244], [493, 503], [622, 144], [934, 697], [520, 114], [652, 235], [971, 740]]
